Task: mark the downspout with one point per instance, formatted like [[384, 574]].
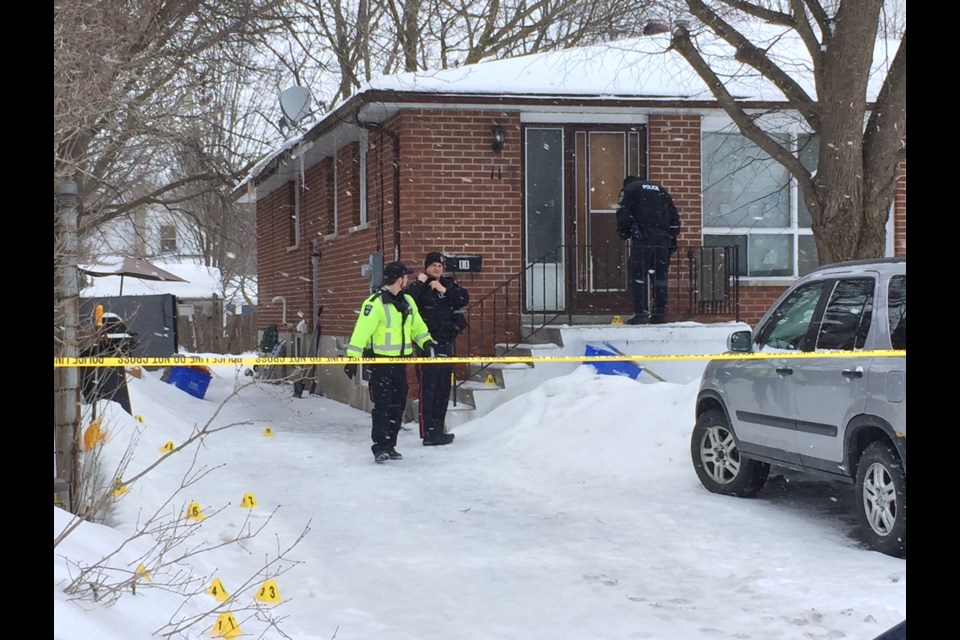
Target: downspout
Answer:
[[370, 126]]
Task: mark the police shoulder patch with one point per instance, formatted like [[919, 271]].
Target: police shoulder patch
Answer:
[[367, 308]]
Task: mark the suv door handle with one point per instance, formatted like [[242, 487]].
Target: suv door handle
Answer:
[[785, 371], [852, 373]]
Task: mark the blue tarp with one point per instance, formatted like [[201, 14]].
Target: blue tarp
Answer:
[[613, 367]]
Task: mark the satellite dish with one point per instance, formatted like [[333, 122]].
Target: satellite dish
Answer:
[[295, 104]]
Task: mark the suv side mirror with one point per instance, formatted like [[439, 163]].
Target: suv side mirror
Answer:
[[740, 342]]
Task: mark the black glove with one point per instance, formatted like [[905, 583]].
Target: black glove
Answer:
[[428, 349], [350, 370]]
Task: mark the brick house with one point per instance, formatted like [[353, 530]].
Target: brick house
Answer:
[[519, 162]]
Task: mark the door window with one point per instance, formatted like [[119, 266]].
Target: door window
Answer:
[[846, 320], [788, 326], [897, 311]]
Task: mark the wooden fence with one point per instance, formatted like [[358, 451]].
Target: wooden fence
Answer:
[[204, 332]]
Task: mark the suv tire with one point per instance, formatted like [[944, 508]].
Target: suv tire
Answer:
[[717, 459], [881, 499]]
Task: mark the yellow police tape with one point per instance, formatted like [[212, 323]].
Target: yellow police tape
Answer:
[[207, 361]]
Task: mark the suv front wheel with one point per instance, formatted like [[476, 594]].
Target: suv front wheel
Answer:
[[717, 459], [882, 499]]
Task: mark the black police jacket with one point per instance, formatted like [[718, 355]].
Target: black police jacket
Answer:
[[439, 310], [647, 212]]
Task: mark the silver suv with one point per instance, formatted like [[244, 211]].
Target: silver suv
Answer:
[[840, 417]]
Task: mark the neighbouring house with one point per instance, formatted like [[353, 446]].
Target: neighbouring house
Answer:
[[210, 315], [513, 169]]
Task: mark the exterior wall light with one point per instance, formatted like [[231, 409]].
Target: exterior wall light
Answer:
[[498, 135]]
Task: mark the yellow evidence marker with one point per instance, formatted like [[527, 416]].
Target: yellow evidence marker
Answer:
[[268, 592], [194, 512], [217, 591], [268, 432], [489, 379], [248, 501], [92, 436], [119, 489], [616, 320], [167, 448], [226, 627], [142, 571]]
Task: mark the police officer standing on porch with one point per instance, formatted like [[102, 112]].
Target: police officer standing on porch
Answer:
[[648, 216], [388, 325], [441, 301]]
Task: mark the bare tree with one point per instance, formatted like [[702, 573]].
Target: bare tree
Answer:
[[356, 40], [861, 145], [129, 78]]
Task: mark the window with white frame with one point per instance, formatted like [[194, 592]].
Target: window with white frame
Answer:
[[750, 201], [363, 177], [168, 238]]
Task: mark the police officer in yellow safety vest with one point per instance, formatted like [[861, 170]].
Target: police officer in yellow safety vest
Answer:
[[388, 326]]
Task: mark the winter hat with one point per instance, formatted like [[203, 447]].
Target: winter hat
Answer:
[[433, 256], [394, 270]]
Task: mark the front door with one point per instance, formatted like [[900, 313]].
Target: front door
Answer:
[[602, 157], [572, 178]]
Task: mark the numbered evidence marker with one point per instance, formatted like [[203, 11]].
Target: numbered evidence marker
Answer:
[[268, 592], [226, 627], [138, 418], [217, 591], [167, 448], [248, 501], [490, 379], [268, 432], [194, 512], [616, 320]]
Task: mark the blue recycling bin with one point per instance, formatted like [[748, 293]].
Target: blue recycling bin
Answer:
[[190, 380], [613, 367]]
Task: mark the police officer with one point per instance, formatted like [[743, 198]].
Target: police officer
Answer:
[[441, 301], [648, 216], [388, 325]]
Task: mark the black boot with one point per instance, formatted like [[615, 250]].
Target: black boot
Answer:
[[437, 439], [394, 454], [640, 318]]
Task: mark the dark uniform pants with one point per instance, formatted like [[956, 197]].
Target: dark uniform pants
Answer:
[[649, 262], [388, 392], [435, 386]]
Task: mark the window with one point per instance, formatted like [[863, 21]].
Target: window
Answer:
[[168, 238], [293, 210], [897, 311], [789, 324], [363, 177], [846, 320], [750, 201]]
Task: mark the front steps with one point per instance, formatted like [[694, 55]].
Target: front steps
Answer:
[[477, 396]]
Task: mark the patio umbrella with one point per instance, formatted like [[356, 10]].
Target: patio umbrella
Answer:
[[128, 266]]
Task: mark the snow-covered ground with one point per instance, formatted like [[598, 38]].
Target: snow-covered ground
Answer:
[[571, 511]]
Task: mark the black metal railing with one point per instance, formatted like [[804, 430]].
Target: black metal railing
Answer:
[[587, 282]]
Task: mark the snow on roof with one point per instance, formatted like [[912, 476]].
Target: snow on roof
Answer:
[[637, 67]]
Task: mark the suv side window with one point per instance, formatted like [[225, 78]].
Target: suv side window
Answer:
[[897, 311], [846, 320], [789, 324]]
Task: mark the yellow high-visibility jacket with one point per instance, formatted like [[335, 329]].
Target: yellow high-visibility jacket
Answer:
[[387, 327]]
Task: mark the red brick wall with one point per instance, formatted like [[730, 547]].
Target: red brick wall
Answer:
[[900, 214], [457, 196]]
